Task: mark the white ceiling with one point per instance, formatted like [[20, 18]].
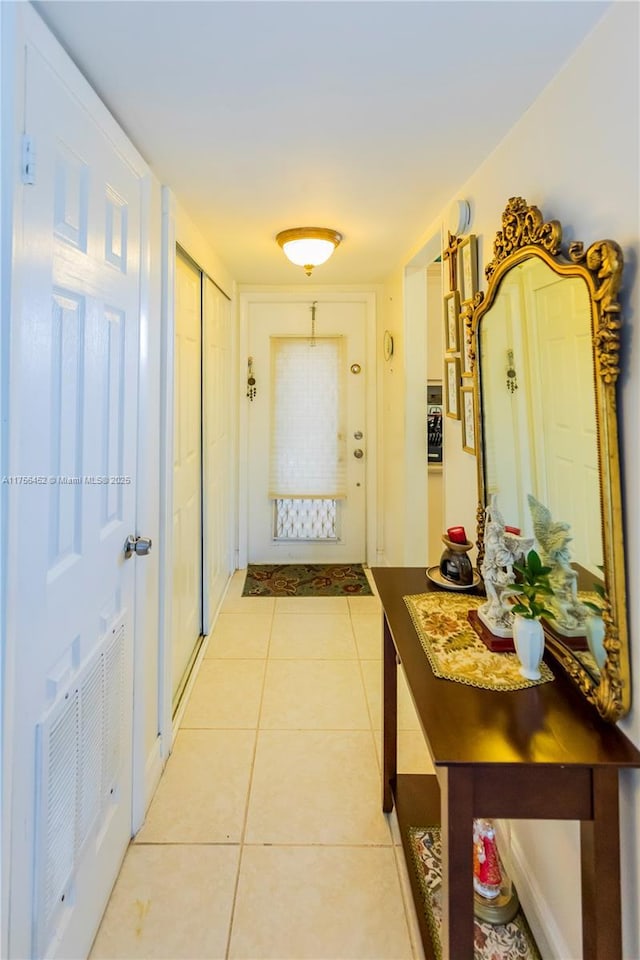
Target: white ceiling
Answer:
[[362, 116]]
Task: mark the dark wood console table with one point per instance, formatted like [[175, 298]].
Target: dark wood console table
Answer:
[[540, 753]]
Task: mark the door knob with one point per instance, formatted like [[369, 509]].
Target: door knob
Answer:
[[358, 453], [141, 546]]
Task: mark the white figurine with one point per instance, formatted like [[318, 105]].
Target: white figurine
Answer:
[[501, 550], [570, 615]]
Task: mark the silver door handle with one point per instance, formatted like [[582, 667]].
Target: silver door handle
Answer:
[[358, 453], [141, 546]]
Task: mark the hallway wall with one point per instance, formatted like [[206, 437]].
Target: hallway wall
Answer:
[[574, 154]]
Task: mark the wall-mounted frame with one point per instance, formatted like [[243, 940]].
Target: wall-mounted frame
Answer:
[[434, 423], [468, 412], [468, 268], [452, 387], [467, 350], [452, 322]]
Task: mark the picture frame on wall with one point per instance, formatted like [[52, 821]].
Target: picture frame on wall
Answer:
[[466, 353], [434, 423], [468, 267], [452, 387], [468, 410], [452, 321]]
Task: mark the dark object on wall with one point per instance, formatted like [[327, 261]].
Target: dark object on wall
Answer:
[[434, 423]]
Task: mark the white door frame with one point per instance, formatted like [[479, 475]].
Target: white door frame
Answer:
[[21, 24], [415, 468], [304, 295], [167, 323]]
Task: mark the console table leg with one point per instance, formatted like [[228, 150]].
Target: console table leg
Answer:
[[600, 863], [389, 717], [456, 807]]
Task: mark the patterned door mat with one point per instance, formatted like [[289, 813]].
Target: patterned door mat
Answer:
[[306, 580], [503, 941]]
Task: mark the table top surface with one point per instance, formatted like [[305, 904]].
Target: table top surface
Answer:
[[547, 724]]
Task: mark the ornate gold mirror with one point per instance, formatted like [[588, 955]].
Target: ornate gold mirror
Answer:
[[545, 343]]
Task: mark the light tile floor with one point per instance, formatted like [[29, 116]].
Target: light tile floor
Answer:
[[265, 838]]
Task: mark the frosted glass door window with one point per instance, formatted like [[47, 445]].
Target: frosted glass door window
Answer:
[[308, 455]]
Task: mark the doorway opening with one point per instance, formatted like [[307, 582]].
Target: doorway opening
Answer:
[[307, 464]]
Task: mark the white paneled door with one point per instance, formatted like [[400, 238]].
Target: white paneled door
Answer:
[[321, 530], [187, 471], [71, 506], [567, 462]]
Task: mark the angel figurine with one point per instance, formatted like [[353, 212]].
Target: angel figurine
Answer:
[[501, 550], [570, 614]]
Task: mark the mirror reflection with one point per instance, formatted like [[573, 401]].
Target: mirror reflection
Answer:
[[540, 431], [544, 344]]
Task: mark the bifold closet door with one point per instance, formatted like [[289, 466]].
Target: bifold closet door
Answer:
[[187, 470], [216, 447]]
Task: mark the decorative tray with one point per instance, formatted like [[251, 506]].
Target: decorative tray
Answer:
[[433, 573]]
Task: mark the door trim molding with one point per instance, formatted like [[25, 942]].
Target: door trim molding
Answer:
[[167, 379], [368, 296]]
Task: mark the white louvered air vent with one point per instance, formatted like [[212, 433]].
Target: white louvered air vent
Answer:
[[59, 826], [80, 751]]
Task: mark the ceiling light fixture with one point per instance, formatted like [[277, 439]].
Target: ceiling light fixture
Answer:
[[308, 247]]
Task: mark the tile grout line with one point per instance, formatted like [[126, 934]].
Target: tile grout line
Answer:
[[248, 795]]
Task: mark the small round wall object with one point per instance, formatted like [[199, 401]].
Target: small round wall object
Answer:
[[355, 368], [458, 217], [387, 345]]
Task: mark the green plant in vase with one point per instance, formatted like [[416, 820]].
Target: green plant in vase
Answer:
[[529, 606], [535, 581]]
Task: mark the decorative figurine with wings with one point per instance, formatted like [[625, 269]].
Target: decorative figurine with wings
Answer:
[[553, 538], [501, 550]]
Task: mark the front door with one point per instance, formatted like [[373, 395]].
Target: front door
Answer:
[[322, 528], [71, 506]]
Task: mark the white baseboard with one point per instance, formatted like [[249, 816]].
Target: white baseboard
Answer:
[[153, 768], [548, 936], [153, 771]]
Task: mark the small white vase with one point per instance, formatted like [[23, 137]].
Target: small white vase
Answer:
[[528, 638], [594, 629]]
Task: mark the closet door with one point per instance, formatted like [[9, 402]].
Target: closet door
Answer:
[[216, 447], [187, 471]]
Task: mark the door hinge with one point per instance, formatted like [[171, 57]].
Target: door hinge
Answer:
[[28, 159]]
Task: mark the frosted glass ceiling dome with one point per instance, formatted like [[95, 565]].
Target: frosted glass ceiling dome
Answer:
[[308, 247]]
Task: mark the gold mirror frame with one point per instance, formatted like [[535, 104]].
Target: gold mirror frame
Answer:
[[525, 234]]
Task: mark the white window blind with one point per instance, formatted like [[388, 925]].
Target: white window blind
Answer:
[[308, 440]]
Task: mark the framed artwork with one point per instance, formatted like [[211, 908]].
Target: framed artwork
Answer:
[[452, 387], [452, 322], [468, 267], [434, 423], [468, 402], [466, 354]]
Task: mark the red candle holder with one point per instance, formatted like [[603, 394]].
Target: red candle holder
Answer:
[[457, 535]]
